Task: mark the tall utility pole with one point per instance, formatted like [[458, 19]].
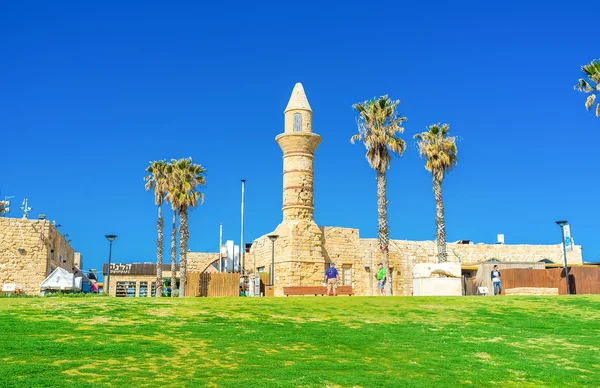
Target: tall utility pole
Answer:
[[242, 247], [221, 248]]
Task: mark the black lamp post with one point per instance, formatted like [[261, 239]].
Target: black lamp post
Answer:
[[562, 229], [273, 237], [111, 238]]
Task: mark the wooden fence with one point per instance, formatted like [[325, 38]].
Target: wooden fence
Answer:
[[218, 284], [583, 280], [264, 280], [192, 286]]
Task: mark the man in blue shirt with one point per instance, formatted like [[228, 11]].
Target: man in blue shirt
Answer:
[[331, 278]]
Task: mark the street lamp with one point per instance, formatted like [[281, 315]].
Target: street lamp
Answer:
[[273, 237], [562, 229], [242, 247], [110, 238]]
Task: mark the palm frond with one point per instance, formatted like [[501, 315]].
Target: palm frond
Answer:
[[590, 101], [438, 149], [378, 125], [592, 83]]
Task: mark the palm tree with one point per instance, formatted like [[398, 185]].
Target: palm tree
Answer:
[[440, 154], [156, 180], [592, 72], [172, 198], [378, 127], [187, 178]]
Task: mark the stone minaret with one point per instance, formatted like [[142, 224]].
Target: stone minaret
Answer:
[[298, 144], [298, 253]]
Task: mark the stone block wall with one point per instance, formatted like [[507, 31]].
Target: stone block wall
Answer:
[[477, 253], [298, 255], [199, 261], [59, 251], [403, 255], [29, 251], [78, 261], [300, 263], [342, 246]]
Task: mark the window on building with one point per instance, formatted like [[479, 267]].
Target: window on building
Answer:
[[126, 289], [121, 290], [153, 286], [131, 288], [143, 289], [297, 122], [347, 275]]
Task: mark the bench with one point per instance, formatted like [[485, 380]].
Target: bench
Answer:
[[315, 290]]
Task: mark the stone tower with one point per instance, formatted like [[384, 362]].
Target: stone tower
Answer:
[[299, 257], [298, 144]]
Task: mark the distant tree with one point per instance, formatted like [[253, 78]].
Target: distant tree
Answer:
[[186, 179], [156, 180], [591, 84], [440, 154], [378, 127]]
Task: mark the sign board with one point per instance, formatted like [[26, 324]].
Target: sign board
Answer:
[[483, 290], [568, 238], [9, 287], [120, 269]]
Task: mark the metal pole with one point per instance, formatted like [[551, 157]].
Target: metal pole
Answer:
[[220, 247], [565, 260], [273, 264], [242, 247], [108, 275]]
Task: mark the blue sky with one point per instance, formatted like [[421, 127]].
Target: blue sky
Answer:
[[92, 91]]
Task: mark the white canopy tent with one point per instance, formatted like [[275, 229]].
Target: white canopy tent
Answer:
[[61, 280]]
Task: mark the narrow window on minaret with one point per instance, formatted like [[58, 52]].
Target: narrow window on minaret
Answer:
[[297, 122]]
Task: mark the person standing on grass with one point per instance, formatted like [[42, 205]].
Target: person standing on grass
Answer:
[[496, 275], [331, 278], [381, 279]]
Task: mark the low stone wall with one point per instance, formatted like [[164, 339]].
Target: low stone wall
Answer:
[[531, 291]]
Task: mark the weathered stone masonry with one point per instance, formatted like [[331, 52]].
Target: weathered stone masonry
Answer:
[[30, 250], [303, 249]]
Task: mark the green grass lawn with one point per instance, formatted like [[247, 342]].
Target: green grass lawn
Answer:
[[300, 342]]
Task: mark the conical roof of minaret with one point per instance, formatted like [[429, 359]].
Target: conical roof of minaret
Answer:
[[298, 99]]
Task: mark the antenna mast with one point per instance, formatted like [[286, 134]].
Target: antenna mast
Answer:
[[5, 206], [25, 208]]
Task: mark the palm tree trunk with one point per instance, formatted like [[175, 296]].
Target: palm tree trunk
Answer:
[[173, 252], [183, 235], [440, 232], [384, 233], [159, 253]]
